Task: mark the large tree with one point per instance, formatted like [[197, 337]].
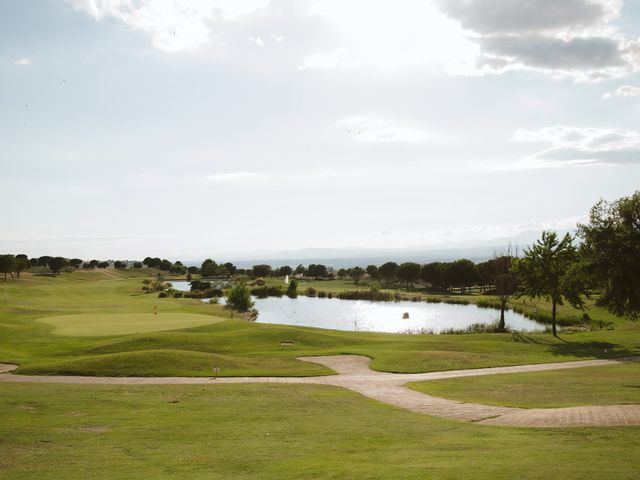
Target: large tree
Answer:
[[75, 262], [21, 263], [408, 272], [463, 273], [548, 270], [262, 270], [387, 271], [498, 272], [7, 265], [611, 252], [58, 263], [356, 273]]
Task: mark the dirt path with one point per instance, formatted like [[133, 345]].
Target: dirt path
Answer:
[[354, 373]]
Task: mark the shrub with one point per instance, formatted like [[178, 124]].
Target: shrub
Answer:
[[260, 292], [310, 292], [292, 290], [239, 297], [162, 295]]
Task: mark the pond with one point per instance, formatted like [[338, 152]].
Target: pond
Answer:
[[367, 316], [363, 315]]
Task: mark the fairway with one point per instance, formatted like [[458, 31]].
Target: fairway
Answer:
[[104, 324], [261, 431], [606, 385]]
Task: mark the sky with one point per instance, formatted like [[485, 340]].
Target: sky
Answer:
[[191, 128]]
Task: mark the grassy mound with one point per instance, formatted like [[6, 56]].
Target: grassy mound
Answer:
[[160, 363], [103, 324]]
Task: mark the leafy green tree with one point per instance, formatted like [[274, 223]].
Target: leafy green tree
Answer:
[[102, 264], [372, 271], [94, 263], [57, 263], [165, 265], [261, 270], [498, 272], [434, 274], [388, 271], [230, 268], [408, 272], [239, 297], [193, 270], [137, 264], [7, 265], [611, 252], [44, 260], [209, 268], [356, 274], [119, 264], [463, 273], [548, 270], [20, 265], [300, 270], [75, 262], [317, 271], [284, 271]]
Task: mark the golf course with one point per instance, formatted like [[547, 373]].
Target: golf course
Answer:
[[108, 377]]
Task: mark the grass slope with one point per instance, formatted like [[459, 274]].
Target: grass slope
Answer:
[[607, 385], [278, 432]]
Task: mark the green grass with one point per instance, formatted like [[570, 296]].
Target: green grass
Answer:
[[105, 324], [605, 385], [239, 347], [278, 432]]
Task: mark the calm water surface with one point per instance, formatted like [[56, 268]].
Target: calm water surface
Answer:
[[363, 315]]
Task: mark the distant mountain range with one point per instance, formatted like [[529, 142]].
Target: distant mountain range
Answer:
[[476, 250]]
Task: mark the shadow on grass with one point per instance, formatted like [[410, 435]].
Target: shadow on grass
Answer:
[[590, 349], [522, 338]]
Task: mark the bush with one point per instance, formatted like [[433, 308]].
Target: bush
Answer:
[[199, 285], [260, 292], [274, 291], [310, 292], [162, 295], [322, 294], [239, 297], [292, 290]]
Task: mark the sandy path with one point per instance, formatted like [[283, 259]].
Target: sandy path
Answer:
[[354, 373]]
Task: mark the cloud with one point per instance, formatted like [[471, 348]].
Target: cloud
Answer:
[[572, 38], [624, 91], [23, 62], [377, 129], [490, 17], [573, 146], [174, 25], [580, 57]]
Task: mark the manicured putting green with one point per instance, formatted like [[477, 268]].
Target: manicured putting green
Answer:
[[101, 324]]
